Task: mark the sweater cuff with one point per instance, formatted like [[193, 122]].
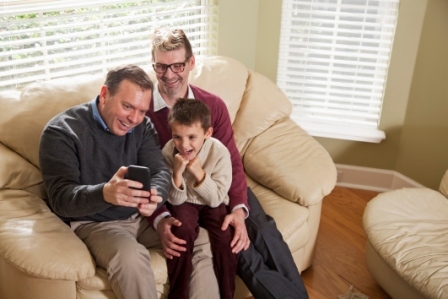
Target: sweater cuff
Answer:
[[242, 206], [160, 217]]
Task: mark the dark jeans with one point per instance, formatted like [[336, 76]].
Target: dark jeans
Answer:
[[267, 267], [224, 261]]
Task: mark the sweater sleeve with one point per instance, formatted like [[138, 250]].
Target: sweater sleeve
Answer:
[[60, 167], [222, 130], [213, 190], [150, 155], [177, 196]]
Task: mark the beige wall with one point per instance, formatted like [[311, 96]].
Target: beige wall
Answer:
[[423, 152], [249, 32]]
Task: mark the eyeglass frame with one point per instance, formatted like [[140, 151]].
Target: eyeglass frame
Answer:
[[168, 66]]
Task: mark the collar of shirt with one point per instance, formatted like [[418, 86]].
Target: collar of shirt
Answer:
[[97, 116], [159, 102]]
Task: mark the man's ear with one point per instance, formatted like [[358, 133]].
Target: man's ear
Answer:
[[208, 133], [192, 62], [103, 93]]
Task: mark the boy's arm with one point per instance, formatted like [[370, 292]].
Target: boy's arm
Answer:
[[213, 189]]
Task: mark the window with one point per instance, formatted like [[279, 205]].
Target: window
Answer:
[[333, 63], [41, 40]]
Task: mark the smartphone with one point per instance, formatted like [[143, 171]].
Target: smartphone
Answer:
[[140, 174]]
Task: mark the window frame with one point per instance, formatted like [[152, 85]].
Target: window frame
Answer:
[[338, 129]]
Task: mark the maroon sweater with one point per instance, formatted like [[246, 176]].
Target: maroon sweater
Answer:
[[222, 130]]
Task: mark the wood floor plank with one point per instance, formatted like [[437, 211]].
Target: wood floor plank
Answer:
[[340, 256]]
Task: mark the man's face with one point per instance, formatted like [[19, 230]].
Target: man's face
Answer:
[[173, 85], [188, 139], [126, 109]]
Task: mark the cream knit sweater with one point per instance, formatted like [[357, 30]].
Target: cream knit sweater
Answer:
[[215, 160]]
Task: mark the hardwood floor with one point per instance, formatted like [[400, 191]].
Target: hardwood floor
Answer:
[[340, 256]]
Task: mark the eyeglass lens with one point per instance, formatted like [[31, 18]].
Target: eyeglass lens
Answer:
[[175, 67]]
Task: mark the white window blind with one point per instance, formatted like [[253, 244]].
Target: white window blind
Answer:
[[333, 63], [41, 40]]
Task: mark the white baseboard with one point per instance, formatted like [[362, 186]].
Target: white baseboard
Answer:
[[373, 179]]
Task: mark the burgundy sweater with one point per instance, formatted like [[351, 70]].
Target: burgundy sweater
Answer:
[[222, 130]]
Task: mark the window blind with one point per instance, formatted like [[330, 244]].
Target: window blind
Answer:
[[333, 62], [41, 40]]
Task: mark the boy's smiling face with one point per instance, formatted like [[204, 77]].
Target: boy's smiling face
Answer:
[[188, 139]]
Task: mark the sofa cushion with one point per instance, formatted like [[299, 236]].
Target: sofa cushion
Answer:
[[283, 157], [408, 228], [16, 172], [38, 103], [223, 76], [263, 105], [291, 218], [37, 242]]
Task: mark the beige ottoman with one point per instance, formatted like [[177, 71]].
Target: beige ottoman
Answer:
[[407, 242]]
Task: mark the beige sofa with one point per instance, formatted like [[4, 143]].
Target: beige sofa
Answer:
[[40, 257], [407, 241]]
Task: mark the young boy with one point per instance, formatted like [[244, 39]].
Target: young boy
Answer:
[[201, 177]]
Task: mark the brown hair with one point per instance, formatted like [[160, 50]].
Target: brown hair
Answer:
[[129, 72], [169, 39], [189, 111]]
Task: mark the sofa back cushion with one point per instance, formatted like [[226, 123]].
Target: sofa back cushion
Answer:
[[262, 106], [254, 102], [223, 76], [23, 118]]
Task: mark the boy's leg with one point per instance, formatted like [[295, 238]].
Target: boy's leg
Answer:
[[224, 261], [180, 268], [267, 267], [203, 283], [114, 247]]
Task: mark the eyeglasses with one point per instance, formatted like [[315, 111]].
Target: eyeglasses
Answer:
[[178, 67]]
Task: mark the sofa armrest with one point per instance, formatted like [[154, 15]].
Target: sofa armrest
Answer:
[[37, 242], [293, 164]]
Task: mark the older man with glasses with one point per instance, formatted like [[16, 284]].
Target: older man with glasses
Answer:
[[265, 265]]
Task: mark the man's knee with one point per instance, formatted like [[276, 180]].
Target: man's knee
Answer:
[[129, 256]]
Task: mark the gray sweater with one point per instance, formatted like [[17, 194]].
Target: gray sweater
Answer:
[[78, 156]]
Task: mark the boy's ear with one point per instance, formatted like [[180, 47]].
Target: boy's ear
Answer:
[[208, 133]]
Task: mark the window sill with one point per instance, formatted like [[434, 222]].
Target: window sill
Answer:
[[342, 132]]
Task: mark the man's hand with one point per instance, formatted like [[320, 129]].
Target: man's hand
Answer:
[[240, 239], [146, 209], [172, 246], [119, 192]]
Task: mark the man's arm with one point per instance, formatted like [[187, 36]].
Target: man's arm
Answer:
[[60, 170], [238, 204], [223, 131], [150, 155]]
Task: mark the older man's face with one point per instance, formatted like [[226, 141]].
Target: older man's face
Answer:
[[172, 84]]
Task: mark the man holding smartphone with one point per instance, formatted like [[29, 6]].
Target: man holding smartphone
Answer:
[[83, 156]]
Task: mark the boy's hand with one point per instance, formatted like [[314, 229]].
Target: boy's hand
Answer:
[[179, 164], [195, 167]]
